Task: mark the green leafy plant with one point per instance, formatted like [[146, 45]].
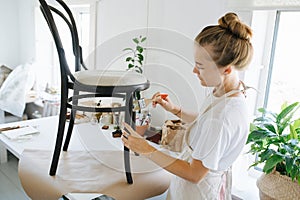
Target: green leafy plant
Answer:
[[274, 137], [135, 61]]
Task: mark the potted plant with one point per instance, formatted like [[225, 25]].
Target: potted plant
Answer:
[[136, 59], [274, 138], [135, 62]]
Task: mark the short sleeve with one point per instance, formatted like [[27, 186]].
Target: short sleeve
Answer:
[[211, 147]]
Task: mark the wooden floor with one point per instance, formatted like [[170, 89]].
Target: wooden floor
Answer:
[[10, 186]]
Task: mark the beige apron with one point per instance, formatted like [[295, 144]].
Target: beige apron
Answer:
[[216, 185]]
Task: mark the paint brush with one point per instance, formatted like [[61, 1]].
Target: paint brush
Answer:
[[10, 128]]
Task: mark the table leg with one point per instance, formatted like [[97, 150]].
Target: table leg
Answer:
[[3, 154]]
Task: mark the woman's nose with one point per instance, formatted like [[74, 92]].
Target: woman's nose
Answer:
[[195, 70]]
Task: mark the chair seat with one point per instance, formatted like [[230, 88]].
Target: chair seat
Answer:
[[109, 78]]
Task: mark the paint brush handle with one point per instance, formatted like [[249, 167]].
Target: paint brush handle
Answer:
[[143, 103], [9, 128]]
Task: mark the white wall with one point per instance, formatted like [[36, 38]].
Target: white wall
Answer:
[[170, 26], [17, 32], [26, 30], [9, 33]]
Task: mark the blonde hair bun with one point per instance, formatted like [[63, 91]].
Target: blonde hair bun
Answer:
[[232, 23]]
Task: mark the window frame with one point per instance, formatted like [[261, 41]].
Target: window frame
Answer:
[[272, 55], [51, 56], [93, 4]]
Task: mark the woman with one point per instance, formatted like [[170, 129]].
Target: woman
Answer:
[[217, 134]]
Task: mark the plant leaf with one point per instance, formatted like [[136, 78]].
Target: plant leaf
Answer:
[[263, 119], [141, 57], [139, 49], [270, 127], [266, 154], [130, 66], [143, 39], [128, 49], [262, 110], [281, 126], [293, 133], [286, 111], [252, 127], [128, 59], [254, 164], [289, 164], [284, 105], [136, 40], [296, 123], [138, 69], [294, 142], [272, 162], [294, 172], [288, 148], [256, 135]]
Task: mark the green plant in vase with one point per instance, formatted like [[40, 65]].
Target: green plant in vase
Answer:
[[274, 138], [136, 60]]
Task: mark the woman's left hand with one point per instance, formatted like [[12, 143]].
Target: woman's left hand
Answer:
[[133, 141]]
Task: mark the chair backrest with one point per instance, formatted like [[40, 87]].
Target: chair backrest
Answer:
[[47, 11]]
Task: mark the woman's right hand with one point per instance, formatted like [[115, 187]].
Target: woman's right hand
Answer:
[[166, 103]]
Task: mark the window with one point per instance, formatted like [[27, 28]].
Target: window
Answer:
[[82, 19], [274, 70], [48, 74], [276, 64], [284, 69]]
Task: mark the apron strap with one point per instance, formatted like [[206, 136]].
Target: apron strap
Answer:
[[214, 103], [226, 185]]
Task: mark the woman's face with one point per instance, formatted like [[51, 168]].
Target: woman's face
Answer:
[[205, 68]]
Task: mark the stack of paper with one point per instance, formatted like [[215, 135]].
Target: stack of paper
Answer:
[[20, 132]]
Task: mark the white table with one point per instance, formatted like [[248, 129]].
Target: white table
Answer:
[[86, 136], [45, 140], [83, 137]]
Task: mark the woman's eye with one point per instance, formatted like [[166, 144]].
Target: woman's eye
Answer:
[[200, 67]]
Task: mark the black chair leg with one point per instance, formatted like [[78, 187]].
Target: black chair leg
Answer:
[[59, 140], [71, 122], [70, 130], [127, 165], [128, 119]]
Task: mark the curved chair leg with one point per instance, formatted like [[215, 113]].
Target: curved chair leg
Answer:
[[70, 130], [59, 139]]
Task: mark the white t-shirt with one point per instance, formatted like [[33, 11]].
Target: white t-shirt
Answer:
[[219, 135]]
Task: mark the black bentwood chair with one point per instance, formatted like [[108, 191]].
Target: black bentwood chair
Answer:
[[88, 84]]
